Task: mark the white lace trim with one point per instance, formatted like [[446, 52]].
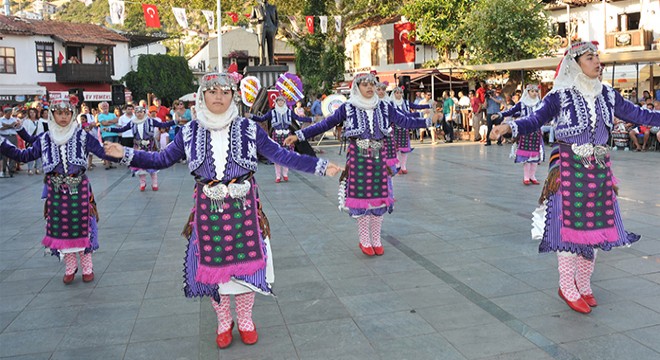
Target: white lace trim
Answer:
[[300, 135], [219, 148], [281, 109], [514, 129], [361, 102], [62, 151], [128, 156], [321, 167], [61, 134]]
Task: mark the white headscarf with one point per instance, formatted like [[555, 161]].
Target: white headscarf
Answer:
[[61, 134], [136, 120], [570, 75], [281, 109], [394, 100], [528, 100], [218, 81], [356, 99]]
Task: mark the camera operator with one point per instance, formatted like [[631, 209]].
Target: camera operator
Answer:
[[494, 104]]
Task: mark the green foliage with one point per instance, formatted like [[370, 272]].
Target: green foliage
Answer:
[[169, 77], [438, 22], [506, 30]]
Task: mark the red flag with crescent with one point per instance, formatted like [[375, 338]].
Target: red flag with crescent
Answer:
[[272, 95], [151, 15], [404, 50], [309, 20]]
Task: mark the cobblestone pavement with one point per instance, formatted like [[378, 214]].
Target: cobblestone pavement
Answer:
[[460, 278]]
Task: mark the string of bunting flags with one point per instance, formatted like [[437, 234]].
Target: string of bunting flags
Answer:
[[152, 17]]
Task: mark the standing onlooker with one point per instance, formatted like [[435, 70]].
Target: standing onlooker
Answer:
[[494, 103], [34, 127], [317, 112], [428, 114], [162, 110], [448, 108], [107, 120], [88, 123], [127, 136], [180, 115], [8, 130], [464, 108], [475, 106]]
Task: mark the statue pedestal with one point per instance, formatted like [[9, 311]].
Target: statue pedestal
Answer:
[[268, 74]]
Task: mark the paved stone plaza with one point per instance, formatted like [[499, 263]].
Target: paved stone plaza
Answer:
[[460, 278]]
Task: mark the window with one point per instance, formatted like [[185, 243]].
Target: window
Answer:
[[629, 21], [7, 60], [356, 56], [106, 57], [390, 51], [45, 57], [375, 59], [561, 29]]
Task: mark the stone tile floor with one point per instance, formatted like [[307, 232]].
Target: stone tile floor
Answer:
[[460, 279]]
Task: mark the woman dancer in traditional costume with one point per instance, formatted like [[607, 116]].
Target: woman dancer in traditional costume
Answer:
[[400, 135], [367, 190], [579, 211], [529, 149], [70, 209], [228, 235], [143, 139], [388, 141], [280, 120]]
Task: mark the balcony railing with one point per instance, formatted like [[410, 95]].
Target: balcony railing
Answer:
[[94, 73], [628, 40]]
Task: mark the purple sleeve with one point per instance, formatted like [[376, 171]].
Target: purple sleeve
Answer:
[[297, 117], [406, 121], [320, 127], [267, 116], [120, 129], [279, 155], [514, 111], [95, 147], [26, 137], [629, 112], [159, 124], [527, 125], [30, 154], [418, 106], [156, 160]]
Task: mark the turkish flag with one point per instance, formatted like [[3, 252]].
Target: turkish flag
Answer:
[[60, 58], [309, 20], [404, 50], [233, 16], [272, 95], [151, 15]]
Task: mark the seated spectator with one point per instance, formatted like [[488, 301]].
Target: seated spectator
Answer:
[[639, 131]]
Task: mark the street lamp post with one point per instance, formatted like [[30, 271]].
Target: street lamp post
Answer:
[[219, 16]]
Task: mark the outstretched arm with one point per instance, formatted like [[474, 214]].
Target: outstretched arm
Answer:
[[161, 125], [27, 137], [148, 159], [120, 129], [30, 154], [514, 111], [322, 126], [419, 106], [279, 155], [406, 121], [549, 109], [95, 147], [266, 117], [629, 112], [297, 117]]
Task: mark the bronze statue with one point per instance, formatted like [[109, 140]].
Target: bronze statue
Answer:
[[264, 18]]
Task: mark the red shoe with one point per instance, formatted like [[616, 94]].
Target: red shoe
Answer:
[[278, 180], [286, 178], [535, 182], [378, 250], [590, 300], [578, 305], [88, 277], [526, 182], [224, 339], [249, 337], [142, 187], [369, 251], [154, 188], [404, 171], [68, 279]]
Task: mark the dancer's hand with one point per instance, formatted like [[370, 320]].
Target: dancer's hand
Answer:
[[494, 117], [499, 130], [290, 140], [113, 149], [332, 169]]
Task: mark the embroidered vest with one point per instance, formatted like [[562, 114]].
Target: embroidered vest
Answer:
[[147, 129], [76, 151], [575, 114], [280, 121], [356, 122], [242, 146]]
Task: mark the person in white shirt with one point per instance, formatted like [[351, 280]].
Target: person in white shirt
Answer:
[[464, 107], [127, 136], [8, 131], [33, 125]]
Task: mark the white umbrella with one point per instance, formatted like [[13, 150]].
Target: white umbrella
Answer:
[[189, 97]]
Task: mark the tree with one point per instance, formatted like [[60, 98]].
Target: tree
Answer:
[[319, 57], [438, 22], [169, 77], [507, 30]]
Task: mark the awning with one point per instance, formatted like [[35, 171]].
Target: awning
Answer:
[[629, 57], [22, 90], [91, 92]]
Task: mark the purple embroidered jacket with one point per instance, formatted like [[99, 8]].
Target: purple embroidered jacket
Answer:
[[573, 113], [281, 122], [147, 128], [356, 123], [246, 139]]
